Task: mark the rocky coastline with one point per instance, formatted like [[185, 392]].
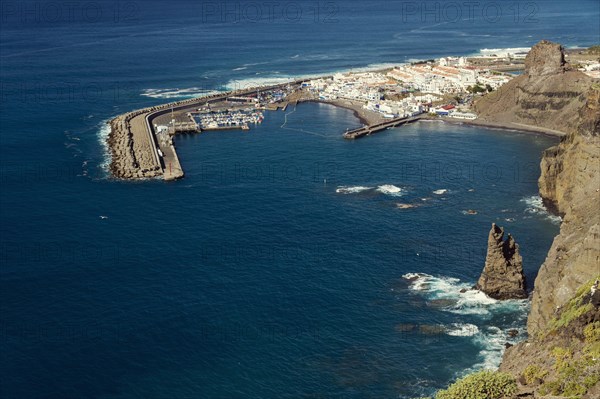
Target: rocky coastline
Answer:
[[559, 357]]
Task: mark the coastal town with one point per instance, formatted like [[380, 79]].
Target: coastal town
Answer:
[[446, 88]]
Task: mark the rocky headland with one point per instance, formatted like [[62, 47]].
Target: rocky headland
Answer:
[[547, 96], [561, 357]]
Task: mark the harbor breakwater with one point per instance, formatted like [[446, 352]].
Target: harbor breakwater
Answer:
[[136, 153]]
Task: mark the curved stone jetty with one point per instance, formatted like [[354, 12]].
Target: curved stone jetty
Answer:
[[138, 154]]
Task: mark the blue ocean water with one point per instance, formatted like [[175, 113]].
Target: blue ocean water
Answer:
[[280, 266]]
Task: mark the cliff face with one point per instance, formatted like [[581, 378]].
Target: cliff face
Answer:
[[547, 95], [564, 322], [502, 276], [570, 183]]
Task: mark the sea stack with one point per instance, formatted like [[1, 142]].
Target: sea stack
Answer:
[[502, 276]]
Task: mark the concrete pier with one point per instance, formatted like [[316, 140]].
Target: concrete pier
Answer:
[[367, 130]]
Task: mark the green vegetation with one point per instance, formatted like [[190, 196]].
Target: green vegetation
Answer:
[[592, 339], [476, 89], [481, 385], [574, 309], [533, 373], [575, 371]]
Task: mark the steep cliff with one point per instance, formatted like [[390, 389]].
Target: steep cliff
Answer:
[[502, 276], [560, 356], [570, 183]]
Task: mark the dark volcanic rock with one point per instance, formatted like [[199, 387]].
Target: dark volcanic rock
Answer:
[[502, 276], [513, 333]]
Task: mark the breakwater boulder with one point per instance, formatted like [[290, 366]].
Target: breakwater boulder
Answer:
[[502, 276]]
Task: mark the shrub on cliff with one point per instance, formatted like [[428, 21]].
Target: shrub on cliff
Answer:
[[481, 385]]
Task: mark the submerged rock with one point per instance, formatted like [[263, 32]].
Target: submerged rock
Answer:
[[502, 276]]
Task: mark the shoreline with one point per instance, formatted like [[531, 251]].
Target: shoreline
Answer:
[[500, 126]]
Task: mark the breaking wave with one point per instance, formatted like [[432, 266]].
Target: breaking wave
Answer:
[[462, 329], [535, 206], [503, 52], [191, 92], [389, 189], [459, 298], [352, 189], [103, 133]]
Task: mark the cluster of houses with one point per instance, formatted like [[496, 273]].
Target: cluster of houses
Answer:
[[449, 75], [590, 68], [409, 106], [451, 111], [364, 86], [391, 92]]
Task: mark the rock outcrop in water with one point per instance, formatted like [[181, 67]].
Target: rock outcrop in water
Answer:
[[502, 276]]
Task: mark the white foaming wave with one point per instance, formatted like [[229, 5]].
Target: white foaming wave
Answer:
[[440, 191], [240, 68], [103, 133], [375, 67], [192, 92], [473, 302], [491, 341], [461, 329], [351, 189], [503, 52], [535, 206], [436, 287], [468, 302], [390, 189], [239, 84]]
